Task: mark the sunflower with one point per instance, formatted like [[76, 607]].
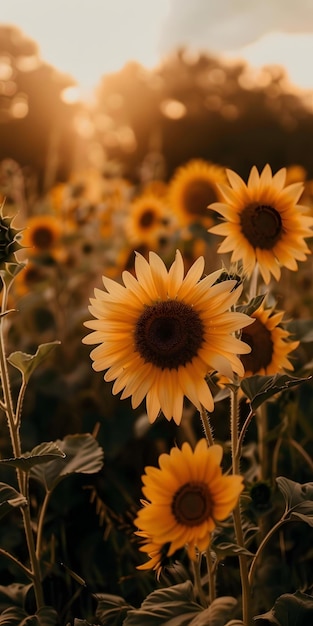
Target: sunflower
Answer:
[[270, 344], [186, 496], [147, 221], [160, 334], [42, 234], [192, 188], [263, 225]]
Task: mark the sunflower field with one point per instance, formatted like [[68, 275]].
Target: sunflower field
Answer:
[[156, 346]]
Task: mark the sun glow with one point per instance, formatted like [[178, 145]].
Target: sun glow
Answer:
[[88, 39], [293, 51]]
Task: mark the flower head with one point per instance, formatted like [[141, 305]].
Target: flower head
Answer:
[[270, 344], [186, 496], [9, 239], [42, 234], [161, 334], [192, 188], [263, 224], [147, 220]]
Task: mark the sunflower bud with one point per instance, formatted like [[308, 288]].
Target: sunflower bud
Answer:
[[9, 239]]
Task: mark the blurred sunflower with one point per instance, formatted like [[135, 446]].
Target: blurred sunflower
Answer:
[[42, 234], [156, 552], [269, 342], [192, 188], [30, 278], [186, 496], [161, 334], [147, 221], [263, 225]]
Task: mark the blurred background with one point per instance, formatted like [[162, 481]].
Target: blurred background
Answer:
[[90, 81]]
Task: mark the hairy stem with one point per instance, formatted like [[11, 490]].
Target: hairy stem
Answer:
[[243, 565], [206, 426], [16, 447]]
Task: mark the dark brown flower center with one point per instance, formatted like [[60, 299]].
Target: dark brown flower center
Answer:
[[192, 504], [43, 237], [261, 225], [147, 218], [168, 334], [198, 195], [259, 338]]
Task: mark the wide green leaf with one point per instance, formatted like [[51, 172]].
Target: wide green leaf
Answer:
[[298, 498], [111, 609], [216, 614], [13, 616], [289, 610], [17, 616], [81, 455], [43, 453], [260, 388], [27, 363], [172, 606], [15, 593], [10, 499]]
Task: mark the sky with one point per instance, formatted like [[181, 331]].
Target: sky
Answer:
[[88, 38]]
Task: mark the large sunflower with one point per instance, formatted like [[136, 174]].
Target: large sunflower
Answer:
[[186, 496], [161, 334], [192, 188], [263, 225], [270, 344]]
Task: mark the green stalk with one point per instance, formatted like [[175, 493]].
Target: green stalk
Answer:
[[262, 546], [197, 579], [13, 425], [206, 426], [211, 573], [243, 565]]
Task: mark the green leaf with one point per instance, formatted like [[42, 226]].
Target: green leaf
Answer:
[[13, 616], [111, 609], [43, 453], [9, 499], [27, 363], [252, 306], [216, 614], [225, 548], [10, 271], [14, 593], [289, 610], [83, 455], [260, 388], [301, 329], [298, 498], [46, 616], [172, 606]]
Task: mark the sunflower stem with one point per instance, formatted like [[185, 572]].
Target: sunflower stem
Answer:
[[14, 431], [197, 579], [243, 565], [261, 421], [211, 574], [206, 426], [254, 282]]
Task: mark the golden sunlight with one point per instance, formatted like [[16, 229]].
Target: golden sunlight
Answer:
[[293, 51]]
